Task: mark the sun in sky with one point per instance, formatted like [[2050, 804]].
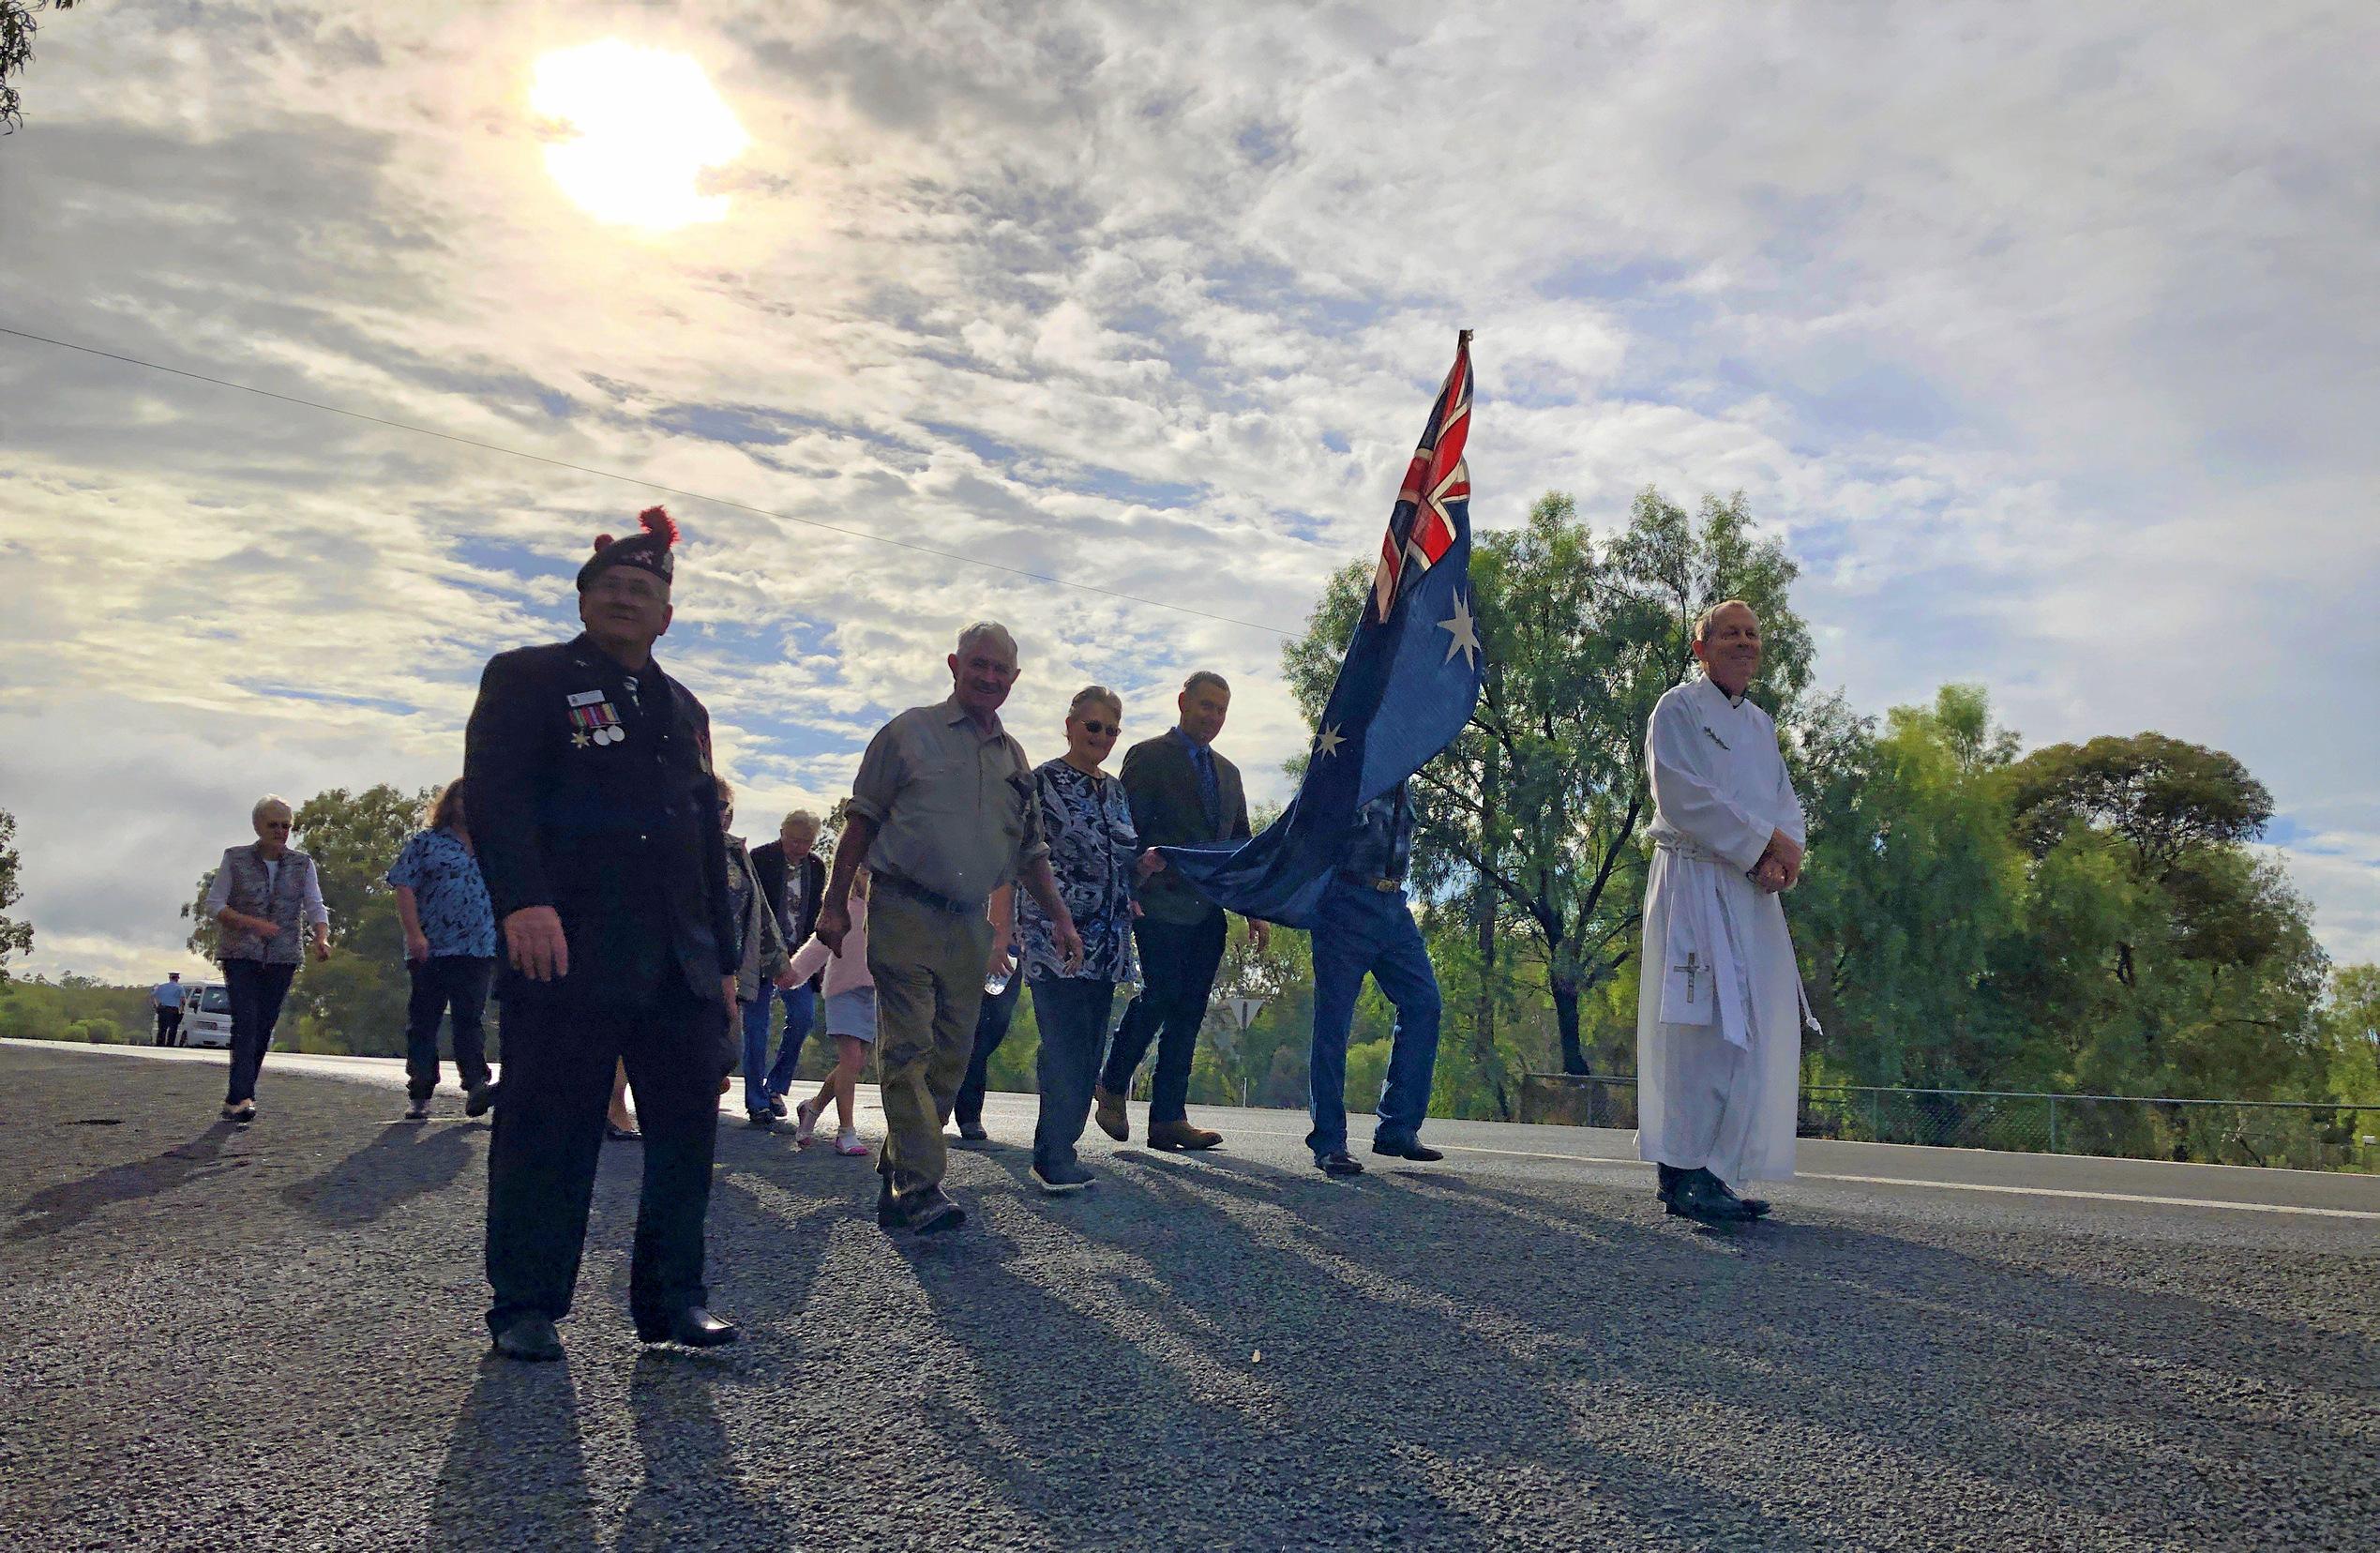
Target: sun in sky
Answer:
[[644, 124]]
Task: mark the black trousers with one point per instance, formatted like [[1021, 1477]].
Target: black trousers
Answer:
[[1072, 1012], [443, 982], [256, 990], [991, 1028], [549, 1137], [169, 1025], [1177, 963]]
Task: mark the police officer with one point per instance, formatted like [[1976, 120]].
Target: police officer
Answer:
[[593, 807]]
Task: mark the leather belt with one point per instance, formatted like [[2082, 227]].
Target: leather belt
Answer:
[[923, 896], [1365, 882]]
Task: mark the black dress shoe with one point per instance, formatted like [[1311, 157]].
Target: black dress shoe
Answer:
[[888, 1207], [1753, 1207], [531, 1340], [479, 1098], [693, 1326], [1697, 1196], [1415, 1150], [1338, 1164]]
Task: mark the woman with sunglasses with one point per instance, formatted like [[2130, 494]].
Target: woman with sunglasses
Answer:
[[1096, 857]]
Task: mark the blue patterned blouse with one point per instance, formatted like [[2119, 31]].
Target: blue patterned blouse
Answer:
[[449, 895], [1092, 848]]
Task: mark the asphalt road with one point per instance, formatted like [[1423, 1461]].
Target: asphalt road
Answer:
[[271, 1338]]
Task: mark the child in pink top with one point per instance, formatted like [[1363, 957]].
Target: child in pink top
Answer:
[[851, 1019]]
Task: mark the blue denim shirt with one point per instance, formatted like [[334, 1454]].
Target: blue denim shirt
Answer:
[[1381, 844]]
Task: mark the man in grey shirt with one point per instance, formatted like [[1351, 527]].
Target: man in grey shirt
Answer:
[[944, 812]]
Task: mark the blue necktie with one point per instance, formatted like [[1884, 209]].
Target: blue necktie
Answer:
[[1209, 795]]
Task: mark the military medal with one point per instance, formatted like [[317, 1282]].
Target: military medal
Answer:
[[593, 720]]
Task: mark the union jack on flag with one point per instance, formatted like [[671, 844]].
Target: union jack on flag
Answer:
[[1421, 527]]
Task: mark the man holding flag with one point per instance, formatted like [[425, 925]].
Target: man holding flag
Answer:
[[1334, 862]]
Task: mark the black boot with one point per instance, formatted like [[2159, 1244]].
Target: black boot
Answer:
[[1753, 1207], [1699, 1197]]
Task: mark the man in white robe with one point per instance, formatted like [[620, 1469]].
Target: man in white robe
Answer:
[[1719, 1008]]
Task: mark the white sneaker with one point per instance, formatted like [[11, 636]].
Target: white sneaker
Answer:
[[848, 1142]]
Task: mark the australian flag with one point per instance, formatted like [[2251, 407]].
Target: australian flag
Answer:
[[1406, 687]]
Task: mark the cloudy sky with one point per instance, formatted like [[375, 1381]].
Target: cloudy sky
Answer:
[[2046, 337]]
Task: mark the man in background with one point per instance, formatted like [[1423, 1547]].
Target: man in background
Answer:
[[794, 879], [1182, 794], [165, 1002]]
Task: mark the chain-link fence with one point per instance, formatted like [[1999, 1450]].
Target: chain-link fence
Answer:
[[2287, 1134]]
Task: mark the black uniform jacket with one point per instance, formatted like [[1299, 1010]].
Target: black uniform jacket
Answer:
[[768, 866], [1162, 786], [597, 800]]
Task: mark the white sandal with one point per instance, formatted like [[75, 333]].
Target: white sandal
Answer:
[[805, 1122]]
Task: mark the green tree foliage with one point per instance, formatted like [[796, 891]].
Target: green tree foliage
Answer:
[[74, 1008], [2155, 953], [2350, 1035], [2164, 797], [1913, 882], [1536, 811], [16, 938], [2089, 917], [17, 27]]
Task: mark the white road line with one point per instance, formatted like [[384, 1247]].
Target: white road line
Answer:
[[2099, 1197], [1935, 1185]]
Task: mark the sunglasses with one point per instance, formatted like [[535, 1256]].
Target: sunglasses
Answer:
[[1098, 730]]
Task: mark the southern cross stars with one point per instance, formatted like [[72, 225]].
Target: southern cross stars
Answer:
[[1330, 741], [1458, 627]]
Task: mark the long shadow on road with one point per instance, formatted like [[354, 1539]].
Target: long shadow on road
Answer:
[[403, 1161], [1310, 1401], [2110, 1408], [514, 1475], [67, 1204]]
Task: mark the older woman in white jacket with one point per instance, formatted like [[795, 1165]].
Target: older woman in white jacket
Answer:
[[851, 1022]]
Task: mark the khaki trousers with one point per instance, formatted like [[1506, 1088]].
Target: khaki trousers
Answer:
[[928, 966]]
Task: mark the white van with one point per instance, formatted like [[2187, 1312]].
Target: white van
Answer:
[[206, 1014]]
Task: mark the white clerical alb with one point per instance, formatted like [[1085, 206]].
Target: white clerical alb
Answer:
[[1718, 1005]]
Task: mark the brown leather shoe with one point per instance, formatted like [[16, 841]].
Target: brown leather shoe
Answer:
[[1180, 1134], [1107, 1111]]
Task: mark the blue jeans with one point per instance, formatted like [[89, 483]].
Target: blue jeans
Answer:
[[762, 1079], [1363, 931]]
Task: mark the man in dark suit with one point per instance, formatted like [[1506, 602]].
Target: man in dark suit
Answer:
[[794, 879], [1182, 794], [595, 812]]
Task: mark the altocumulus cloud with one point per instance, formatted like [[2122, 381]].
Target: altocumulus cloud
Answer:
[[2045, 340]]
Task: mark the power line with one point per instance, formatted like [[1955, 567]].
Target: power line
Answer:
[[648, 485]]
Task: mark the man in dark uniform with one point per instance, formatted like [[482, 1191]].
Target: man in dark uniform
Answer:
[[1365, 927], [595, 816]]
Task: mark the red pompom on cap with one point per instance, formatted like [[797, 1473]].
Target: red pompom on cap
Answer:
[[656, 520], [602, 540]]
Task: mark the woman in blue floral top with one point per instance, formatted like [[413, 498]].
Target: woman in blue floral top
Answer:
[[450, 953], [1097, 858]]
